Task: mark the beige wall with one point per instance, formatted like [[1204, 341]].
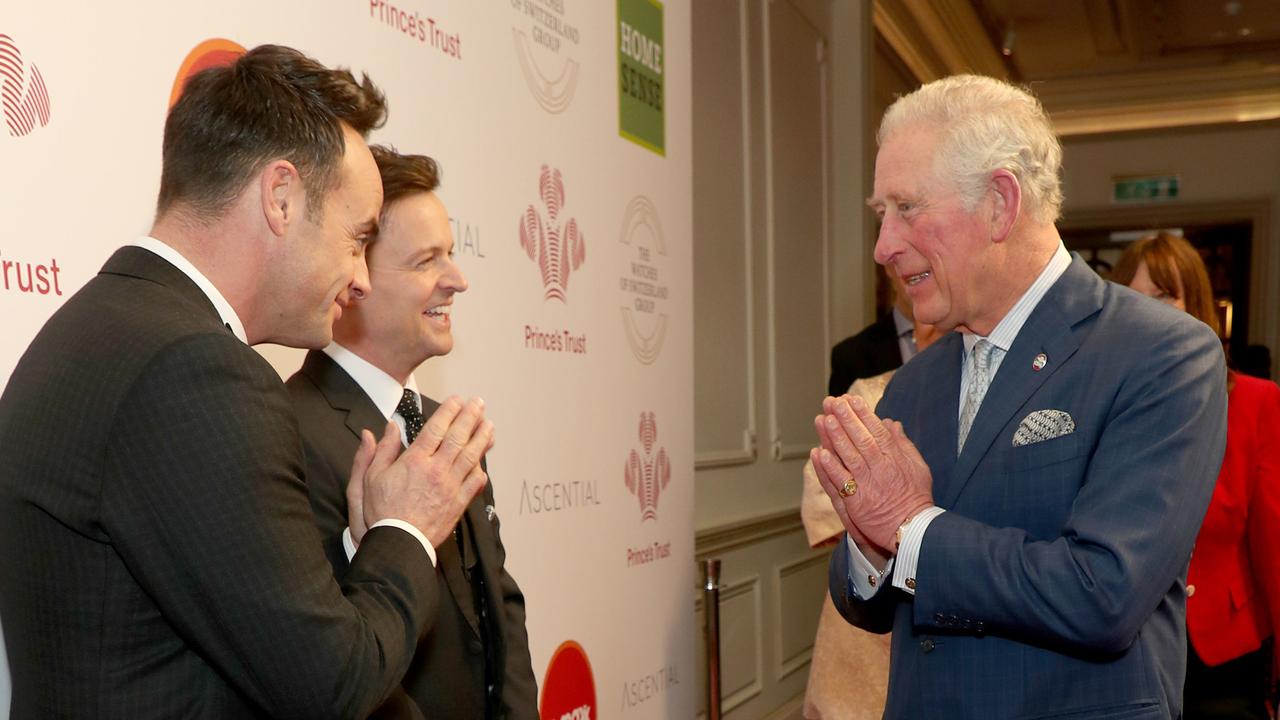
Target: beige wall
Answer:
[[781, 257], [1222, 172]]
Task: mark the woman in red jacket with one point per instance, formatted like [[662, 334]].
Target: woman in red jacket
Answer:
[[1233, 586]]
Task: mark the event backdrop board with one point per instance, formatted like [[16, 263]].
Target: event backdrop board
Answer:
[[563, 131]]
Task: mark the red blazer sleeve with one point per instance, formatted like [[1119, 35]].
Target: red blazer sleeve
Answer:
[[1264, 506]]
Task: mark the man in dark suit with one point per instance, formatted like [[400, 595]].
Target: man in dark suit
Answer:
[[474, 661], [160, 558], [882, 346], [1028, 545]]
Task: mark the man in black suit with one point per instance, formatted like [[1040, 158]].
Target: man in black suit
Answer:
[[882, 346], [474, 661], [160, 558]]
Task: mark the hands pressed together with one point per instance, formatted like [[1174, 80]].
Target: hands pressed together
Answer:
[[430, 484], [884, 479]]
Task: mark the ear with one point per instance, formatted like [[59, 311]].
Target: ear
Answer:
[[281, 191], [1006, 195]]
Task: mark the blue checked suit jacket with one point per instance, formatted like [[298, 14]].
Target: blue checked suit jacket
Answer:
[[1053, 586]]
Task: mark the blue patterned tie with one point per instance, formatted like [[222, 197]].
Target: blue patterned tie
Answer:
[[979, 380]]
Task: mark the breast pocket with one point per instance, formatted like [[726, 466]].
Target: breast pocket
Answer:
[[1046, 453]]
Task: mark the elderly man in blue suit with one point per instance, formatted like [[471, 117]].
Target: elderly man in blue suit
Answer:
[[1024, 522]]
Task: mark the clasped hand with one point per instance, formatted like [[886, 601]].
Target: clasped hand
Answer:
[[430, 484], [893, 482]]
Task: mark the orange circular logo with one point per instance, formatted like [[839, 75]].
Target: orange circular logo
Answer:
[[210, 53], [568, 688]]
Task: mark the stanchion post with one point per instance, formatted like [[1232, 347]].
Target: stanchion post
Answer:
[[711, 612]]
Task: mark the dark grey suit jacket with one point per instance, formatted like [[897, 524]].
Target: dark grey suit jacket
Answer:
[[1054, 585], [158, 557], [447, 679], [873, 351]]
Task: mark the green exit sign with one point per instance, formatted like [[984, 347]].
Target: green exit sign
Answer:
[[1154, 188]]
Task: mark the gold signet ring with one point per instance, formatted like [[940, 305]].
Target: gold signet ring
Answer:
[[850, 487]]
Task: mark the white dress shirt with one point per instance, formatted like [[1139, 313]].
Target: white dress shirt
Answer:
[[865, 577]]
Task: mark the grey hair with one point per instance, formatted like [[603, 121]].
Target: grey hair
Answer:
[[986, 125]]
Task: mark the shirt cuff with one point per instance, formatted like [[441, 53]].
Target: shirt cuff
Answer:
[[908, 556], [863, 576], [349, 544]]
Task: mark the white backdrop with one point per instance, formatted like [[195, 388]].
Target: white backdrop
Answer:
[[588, 377]]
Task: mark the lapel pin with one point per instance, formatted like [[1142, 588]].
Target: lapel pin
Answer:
[[1039, 363]]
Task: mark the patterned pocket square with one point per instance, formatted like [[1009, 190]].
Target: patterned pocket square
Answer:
[[1043, 425]]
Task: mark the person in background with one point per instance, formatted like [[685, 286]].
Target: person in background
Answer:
[[473, 662], [1233, 586], [1253, 360], [882, 346], [838, 645]]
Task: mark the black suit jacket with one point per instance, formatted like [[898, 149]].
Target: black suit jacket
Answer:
[[158, 557], [447, 678], [871, 352]]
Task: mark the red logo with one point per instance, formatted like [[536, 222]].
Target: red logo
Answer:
[[25, 100], [568, 688], [648, 476], [558, 249], [214, 52]]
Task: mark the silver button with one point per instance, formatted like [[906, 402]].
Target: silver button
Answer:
[[1191, 590]]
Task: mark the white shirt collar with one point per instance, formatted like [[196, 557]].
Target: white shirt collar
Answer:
[[1008, 328], [384, 390], [176, 259]]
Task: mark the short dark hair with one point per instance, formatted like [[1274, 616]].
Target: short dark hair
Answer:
[[273, 102], [404, 175]]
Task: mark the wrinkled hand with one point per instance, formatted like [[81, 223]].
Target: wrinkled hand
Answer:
[[894, 482], [431, 483]]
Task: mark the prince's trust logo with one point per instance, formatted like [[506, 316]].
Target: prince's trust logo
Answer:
[[558, 248], [24, 95], [648, 475]]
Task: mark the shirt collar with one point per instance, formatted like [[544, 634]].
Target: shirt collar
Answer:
[[1008, 328], [176, 259], [384, 390]]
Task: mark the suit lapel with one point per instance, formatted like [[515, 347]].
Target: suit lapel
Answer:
[[1076, 295], [451, 566], [455, 562], [343, 394], [936, 439]]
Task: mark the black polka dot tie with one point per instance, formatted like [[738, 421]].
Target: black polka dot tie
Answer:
[[408, 409]]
